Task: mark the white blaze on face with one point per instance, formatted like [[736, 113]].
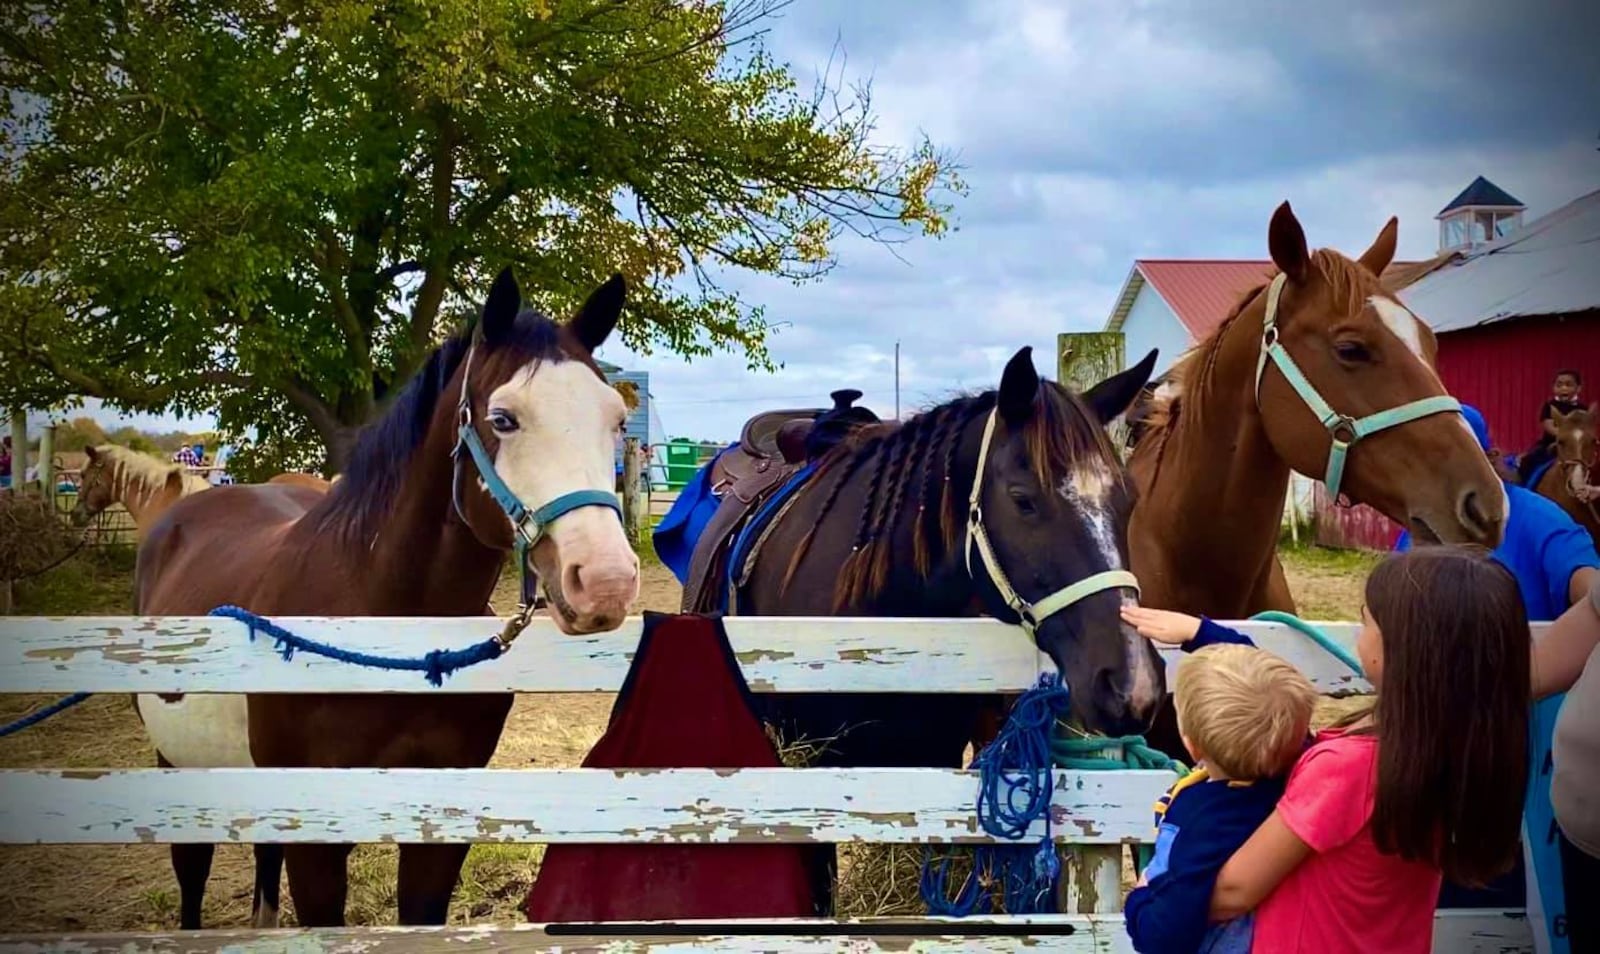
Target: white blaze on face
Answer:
[[1088, 491], [569, 421]]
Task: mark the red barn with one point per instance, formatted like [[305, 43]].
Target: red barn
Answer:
[[1516, 307]]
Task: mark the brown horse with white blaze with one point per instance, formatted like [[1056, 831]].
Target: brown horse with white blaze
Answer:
[[1572, 470], [414, 529], [1322, 371]]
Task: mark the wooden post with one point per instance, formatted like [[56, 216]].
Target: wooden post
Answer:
[[47, 464], [1091, 875], [630, 488], [19, 449]]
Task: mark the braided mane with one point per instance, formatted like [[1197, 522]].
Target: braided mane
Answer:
[[911, 468]]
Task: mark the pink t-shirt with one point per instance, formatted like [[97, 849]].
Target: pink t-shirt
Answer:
[[1346, 896]]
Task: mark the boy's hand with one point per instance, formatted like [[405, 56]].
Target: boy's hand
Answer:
[[1163, 626]]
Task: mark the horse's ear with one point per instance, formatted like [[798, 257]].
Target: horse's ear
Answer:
[[500, 310], [1286, 240], [1378, 257], [1118, 392], [598, 316], [92, 452], [1019, 387]]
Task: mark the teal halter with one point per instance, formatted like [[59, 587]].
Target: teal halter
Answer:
[[530, 525], [1029, 615], [1343, 430]]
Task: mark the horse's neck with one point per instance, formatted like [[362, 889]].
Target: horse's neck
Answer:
[[424, 560], [1219, 486], [143, 502]]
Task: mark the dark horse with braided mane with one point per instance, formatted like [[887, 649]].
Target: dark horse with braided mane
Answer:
[[505, 439], [1010, 503]]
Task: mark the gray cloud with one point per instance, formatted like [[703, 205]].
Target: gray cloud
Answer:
[[1098, 131]]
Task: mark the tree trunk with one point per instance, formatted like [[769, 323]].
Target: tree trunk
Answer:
[[340, 445]]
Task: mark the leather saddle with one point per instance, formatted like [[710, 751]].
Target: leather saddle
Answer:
[[773, 447]]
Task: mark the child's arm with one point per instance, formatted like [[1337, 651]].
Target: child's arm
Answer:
[[1180, 629], [1256, 868], [1169, 914]]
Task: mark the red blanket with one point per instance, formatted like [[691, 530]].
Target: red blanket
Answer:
[[684, 705]]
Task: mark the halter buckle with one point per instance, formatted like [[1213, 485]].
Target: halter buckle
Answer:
[[1269, 336], [1343, 430]]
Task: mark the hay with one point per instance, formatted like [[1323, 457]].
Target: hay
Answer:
[[32, 536]]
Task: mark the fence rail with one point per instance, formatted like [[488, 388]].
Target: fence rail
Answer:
[[1092, 812]]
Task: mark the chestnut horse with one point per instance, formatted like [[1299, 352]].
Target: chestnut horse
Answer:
[[1321, 371], [1573, 466], [1011, 503], [504, 440], [145, 486]]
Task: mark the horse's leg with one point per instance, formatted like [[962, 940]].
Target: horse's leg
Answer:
[[269, 872], [192, 866], [318, 881], [428, 876]]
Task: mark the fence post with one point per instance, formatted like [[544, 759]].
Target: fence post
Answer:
[[1091, 881], [19, 449], [630, 488], [47, 464]]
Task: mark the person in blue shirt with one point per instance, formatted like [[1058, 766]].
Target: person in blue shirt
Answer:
[[1555, 563], [1244, 715]]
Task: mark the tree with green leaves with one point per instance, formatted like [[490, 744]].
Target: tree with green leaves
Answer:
[[272, 210]]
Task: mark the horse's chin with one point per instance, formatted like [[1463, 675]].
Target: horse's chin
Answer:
[[1423, 532]]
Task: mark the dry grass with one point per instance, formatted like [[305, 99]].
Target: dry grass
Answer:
[[94, 888]]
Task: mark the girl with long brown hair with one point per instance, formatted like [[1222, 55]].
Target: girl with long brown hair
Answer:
[[1427, 784]]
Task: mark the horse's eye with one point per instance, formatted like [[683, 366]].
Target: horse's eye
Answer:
[[1352, 352], [503, 422], [1024, 503]]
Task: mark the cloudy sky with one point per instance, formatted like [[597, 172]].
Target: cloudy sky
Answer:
[[1093, 132]]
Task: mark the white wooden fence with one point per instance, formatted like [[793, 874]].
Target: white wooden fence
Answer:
[[1108, 809]]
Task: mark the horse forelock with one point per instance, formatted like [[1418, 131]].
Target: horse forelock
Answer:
[[371, 482]]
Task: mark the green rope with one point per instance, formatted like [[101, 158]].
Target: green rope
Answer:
[[1085, 754], [1332, 647]]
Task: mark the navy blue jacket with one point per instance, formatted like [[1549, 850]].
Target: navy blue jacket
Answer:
[[1201, 822]]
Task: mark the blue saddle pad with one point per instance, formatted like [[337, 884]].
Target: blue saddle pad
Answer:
[[751, 531], [676, 535]]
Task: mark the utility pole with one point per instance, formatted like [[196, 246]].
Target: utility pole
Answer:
[[897, 380]]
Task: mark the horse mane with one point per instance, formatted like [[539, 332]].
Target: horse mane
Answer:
[[1348, 281], [130, 468], [364, 494], [911, 464]]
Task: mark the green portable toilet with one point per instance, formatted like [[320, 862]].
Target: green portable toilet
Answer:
[[683, 459]]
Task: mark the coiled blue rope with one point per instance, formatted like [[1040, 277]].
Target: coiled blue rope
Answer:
[[1015, 783], [1317, 636], [435, 665], [66, 702]]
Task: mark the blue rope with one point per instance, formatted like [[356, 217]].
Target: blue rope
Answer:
[[1015, 783], [1319, 637], [435, 665], [60, 705]]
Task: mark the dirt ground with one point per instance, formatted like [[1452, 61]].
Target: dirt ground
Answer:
[[95, 888]]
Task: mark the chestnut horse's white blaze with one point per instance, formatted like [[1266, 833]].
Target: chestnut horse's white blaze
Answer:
[[557, 425]]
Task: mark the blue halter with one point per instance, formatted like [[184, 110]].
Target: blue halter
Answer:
[[530, 525]]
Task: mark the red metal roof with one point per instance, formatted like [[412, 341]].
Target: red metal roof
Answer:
[[1202, 291]]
